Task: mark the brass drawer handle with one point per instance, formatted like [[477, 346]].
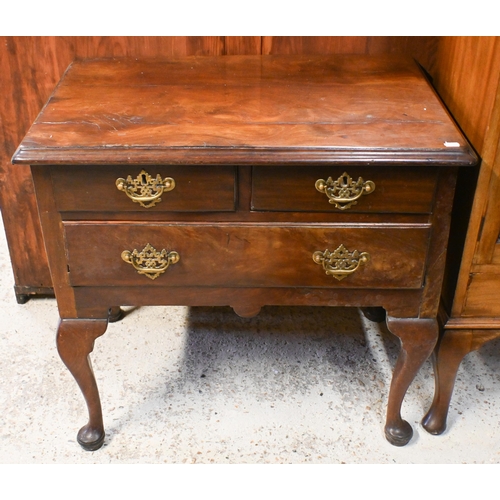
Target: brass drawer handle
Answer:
[[149, 261], [145, 189], [344, 192], [341, 262]]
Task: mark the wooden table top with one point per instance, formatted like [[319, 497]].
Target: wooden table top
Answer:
[[244, 109]]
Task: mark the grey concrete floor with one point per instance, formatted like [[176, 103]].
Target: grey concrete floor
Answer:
[[201, 385]]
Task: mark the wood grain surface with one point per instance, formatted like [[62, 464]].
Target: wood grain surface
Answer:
[[258, 109], [410, 190], [94, 189], [249, 256]]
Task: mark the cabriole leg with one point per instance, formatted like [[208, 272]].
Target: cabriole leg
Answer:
[[418, 338], [75, 342], [115, 314], [453, 346]]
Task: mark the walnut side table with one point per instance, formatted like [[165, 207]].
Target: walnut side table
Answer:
[[159, 182]]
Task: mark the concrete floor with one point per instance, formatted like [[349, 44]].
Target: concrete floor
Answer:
[[201, 385]]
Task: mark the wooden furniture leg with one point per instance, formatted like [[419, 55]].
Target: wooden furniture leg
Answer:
[[115, 314], [75, 342], [418, 338], [375, 314], [453, 346]]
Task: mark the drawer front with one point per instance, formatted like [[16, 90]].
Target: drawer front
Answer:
[[344, 189], [245, 256], [146, 189]]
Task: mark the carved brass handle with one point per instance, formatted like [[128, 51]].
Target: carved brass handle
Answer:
[[145, 189], [341, 262], [150, 261], [344, 192]]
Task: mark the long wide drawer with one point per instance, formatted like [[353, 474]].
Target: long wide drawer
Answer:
[[245, 255], [151, 188], [344, 189]]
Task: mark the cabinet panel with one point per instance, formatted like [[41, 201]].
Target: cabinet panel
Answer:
[[483, 297], [242, 45], [487, 250], [466, 75], [422, 48]]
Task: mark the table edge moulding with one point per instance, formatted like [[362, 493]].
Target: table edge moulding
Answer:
[[158, 181]]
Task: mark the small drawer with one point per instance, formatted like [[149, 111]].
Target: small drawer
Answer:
[[150, 254], [408, 190], [147, 189]]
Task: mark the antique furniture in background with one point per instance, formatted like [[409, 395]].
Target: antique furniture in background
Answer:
[[246, 181], [474, 316]]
